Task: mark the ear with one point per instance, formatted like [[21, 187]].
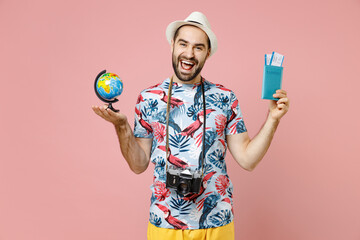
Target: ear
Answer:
[[208, 53]]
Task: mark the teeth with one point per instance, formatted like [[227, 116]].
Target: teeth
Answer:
[[189, 63]]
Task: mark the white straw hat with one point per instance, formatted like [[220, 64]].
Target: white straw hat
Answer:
[[196, 19]]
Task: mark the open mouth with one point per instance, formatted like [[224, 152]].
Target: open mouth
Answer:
[[186, 65]]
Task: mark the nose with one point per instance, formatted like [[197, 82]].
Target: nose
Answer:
[[189, 52]]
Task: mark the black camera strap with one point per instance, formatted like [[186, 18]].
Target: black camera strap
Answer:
[[167, 124]]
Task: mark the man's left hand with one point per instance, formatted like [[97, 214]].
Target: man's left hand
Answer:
[[280, 107]]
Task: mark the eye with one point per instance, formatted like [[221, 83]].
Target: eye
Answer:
[[182, 44]]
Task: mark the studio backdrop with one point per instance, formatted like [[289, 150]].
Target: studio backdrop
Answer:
[[62, 175]]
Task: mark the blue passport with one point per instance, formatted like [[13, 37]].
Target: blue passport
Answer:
[[272, 80]]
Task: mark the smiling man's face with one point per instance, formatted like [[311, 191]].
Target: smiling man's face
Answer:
[[190, 50]]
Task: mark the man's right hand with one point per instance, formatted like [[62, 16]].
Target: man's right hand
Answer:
[[116, 118]]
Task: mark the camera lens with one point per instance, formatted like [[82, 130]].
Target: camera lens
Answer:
[[183, 187]]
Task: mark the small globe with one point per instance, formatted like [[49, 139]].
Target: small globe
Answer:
[[109, 86]]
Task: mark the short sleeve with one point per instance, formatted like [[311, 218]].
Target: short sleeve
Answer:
[[142, 127], [235, 122]]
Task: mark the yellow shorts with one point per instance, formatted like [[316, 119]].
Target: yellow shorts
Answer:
[[220, 233]]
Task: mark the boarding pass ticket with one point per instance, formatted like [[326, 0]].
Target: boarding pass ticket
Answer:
[[274, 59]]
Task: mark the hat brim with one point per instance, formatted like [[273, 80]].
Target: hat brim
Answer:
[[172, 27]]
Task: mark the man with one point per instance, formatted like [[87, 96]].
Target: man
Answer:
[[187, 123]]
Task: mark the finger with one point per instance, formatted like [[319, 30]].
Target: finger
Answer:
[[103, 109], [106, 111], [280, 94], [110, 112], [98, 111], [281, 91], [283, 100], [281, 106]]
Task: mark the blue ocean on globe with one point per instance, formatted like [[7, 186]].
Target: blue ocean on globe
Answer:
[[109, 86]]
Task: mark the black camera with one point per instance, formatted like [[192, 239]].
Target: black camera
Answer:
[[183, 180]]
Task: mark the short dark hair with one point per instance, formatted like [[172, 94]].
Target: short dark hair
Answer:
[[177, 33]]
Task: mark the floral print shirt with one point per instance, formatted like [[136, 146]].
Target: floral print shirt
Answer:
[[212, 206]]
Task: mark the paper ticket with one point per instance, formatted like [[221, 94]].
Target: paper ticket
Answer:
[[267, 59], [276, 59]]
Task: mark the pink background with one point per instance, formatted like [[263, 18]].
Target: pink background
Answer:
[[61, 172]]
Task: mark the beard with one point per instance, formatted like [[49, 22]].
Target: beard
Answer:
[[186, 77]]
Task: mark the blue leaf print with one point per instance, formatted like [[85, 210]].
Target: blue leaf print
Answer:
[[217, 158], [155, 220], [209, 141], [160, 167], [154, 145], [176, 88], [210, 137], [179, 141], [197, 108], [183, 206], [150, 107], [198, 95], [177, 111], [160, 116], [208, 168], [206, 87], [221, 218], [240, 127], [219, 100], [230, 192], [232, 97], [194, 110]]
